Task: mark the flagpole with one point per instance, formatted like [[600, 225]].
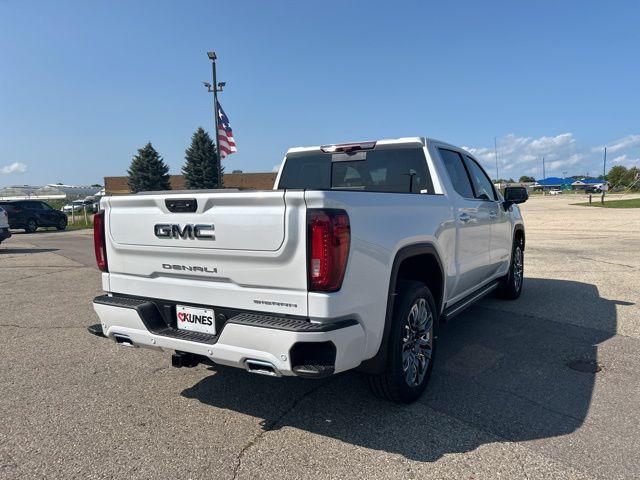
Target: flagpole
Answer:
[[212, 56]]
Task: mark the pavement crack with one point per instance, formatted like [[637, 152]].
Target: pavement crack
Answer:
[[269, 426], [2, 267], [30, 327], [608, 263], [41, 275]]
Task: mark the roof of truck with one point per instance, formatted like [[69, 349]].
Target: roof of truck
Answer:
[[385, 141]]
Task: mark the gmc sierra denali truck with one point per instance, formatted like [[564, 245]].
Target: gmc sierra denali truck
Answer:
[[351, 261]]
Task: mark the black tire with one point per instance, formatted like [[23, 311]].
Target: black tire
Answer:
[[62, 225], [512, 283], [400, 383], [31, 226]]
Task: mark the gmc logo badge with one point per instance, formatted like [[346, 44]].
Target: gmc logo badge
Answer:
[[189, 231]]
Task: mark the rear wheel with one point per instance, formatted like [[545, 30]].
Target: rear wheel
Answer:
[[31, 226], [511, 285], [62, 224], [411, 346]]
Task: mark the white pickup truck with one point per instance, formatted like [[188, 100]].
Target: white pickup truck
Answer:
[[351, 261]]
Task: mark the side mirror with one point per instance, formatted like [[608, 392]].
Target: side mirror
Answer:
[[515, 195]]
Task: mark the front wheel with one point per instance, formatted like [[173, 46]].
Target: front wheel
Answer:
[[411, 346], [511, 285]]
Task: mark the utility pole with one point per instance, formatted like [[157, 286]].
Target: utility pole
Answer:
[[495, 150], [604, 172], [214, 88]]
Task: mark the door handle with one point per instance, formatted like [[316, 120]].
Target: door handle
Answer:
[[493, 214], [464, 217]]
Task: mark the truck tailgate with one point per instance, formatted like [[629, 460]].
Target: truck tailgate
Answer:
[[253, 221], [237, 249]]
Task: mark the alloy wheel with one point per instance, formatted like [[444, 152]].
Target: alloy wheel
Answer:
[[417, 342], [518, 269]]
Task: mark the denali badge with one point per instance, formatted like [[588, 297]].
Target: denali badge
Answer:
[[189, 231], [189, 268]]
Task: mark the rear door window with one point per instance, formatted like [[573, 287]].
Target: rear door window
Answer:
[[457, 172], [383, 169]]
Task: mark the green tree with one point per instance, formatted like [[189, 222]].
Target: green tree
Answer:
[[616, 175], [526, 178], [630, 177], [201, 168], [148, 171]]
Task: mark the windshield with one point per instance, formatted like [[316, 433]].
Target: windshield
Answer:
[[391, 169]]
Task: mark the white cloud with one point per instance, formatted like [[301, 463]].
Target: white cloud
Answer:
[[551, 144], [626, 160], [562, 153], [621, 144], [15, 167]]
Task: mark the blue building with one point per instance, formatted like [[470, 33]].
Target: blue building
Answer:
[[557, 183]]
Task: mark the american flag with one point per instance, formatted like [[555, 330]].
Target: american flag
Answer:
[[226, 142]]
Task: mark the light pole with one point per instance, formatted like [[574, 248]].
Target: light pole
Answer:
[[495, 150], [214, 88]]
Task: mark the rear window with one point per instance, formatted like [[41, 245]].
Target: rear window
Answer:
[[389, 169], [9, 207]]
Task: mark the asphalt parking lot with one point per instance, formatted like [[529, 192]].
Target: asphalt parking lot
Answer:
[[502, 402]]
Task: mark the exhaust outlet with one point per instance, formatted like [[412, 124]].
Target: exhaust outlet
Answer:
[[262, 368]]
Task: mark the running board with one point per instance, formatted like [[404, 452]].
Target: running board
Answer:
[[469, 300]]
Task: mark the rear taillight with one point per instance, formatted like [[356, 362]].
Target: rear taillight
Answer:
[[328, 238], [99, 244]]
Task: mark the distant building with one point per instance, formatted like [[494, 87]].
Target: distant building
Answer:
[[589, 182], [241, 181], [553, 183], [48, 192], [557, 183]]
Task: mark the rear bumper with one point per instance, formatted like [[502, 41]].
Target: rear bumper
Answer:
[[287, 343], [4, 234]]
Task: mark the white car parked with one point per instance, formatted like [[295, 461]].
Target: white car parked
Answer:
[[78, 206], [352, 261]]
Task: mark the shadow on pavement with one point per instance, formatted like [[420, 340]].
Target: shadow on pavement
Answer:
[[498, 376], [27, 250]]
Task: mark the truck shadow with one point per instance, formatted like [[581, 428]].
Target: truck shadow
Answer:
[[499, 376]]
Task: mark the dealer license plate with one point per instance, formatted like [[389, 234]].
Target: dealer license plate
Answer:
[[196, 319]]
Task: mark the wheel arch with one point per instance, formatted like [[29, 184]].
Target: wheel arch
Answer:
[[412, 262]]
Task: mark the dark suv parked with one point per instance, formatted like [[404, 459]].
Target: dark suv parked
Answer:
[[31, 214]]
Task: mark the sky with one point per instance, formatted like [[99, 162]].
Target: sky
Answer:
[[84, 84]]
